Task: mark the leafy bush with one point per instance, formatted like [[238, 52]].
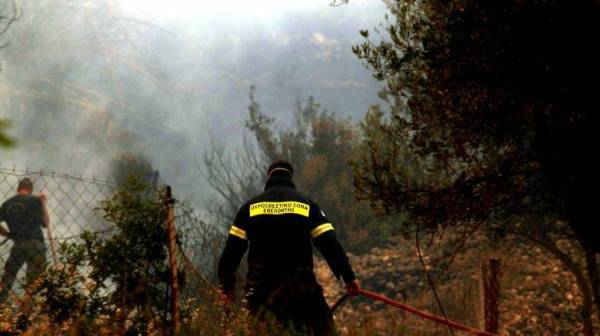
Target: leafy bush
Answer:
[[121, 277]]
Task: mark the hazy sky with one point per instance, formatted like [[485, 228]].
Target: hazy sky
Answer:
[[265, 11], [172, 75], [286, 48]]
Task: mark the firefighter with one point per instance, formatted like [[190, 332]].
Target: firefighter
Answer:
[[280, 228], [25, 215]]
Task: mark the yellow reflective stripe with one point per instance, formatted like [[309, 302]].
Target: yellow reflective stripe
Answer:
[[279, 208], [321, 229], [236, 231]]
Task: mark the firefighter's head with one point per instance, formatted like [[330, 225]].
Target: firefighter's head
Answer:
[[280, 167], [25, 186]]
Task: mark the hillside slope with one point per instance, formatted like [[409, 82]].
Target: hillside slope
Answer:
[[538, 296]]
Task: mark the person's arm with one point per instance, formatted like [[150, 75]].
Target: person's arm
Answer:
[[325, 240], [45, 215], [236, 246], [3, 232]]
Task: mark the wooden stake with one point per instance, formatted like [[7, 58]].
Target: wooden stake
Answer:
[[49, 230], [491, 291], [52, 246]]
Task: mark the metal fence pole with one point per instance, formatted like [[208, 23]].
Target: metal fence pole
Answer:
[[173, 261]]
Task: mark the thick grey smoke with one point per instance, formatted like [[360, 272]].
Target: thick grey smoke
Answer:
[[83, 81]]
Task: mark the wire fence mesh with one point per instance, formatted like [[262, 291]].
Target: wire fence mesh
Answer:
[[199, 248], [200, 242], [75, 209], [73, 206]]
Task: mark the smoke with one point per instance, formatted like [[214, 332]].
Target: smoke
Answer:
[[85, 81], [83, 84]]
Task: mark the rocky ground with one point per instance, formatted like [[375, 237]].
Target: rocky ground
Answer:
[[538, 296]]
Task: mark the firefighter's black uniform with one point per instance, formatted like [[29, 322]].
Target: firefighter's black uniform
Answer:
[[281, 225]]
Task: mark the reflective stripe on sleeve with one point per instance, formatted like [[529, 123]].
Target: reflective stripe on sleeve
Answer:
[[236, 231], [321, 229]]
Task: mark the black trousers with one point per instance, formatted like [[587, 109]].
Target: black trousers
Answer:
[[299, 305], [31, 252]]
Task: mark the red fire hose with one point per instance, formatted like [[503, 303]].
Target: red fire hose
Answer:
[[420, 313]]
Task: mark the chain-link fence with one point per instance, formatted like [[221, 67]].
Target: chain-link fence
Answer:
[[71, 206], [199, 249], [200, 242], [71, 230]]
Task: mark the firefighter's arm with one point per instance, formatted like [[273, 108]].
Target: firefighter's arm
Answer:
[[334, 254], [236, 246], [230, 261], [325, 240]]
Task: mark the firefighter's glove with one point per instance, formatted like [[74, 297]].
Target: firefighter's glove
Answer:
[[353, 287], [227, 298]]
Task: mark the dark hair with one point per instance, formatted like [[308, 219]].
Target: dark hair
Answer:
[[280, 165], [25, 184]]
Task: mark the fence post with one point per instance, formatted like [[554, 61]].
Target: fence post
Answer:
[[173, 262], [491, 291]]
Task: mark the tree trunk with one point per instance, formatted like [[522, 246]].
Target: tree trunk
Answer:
[[586, 295], [594, 275]]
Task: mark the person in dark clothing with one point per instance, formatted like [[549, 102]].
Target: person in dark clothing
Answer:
[[281, 226], [25, 215]]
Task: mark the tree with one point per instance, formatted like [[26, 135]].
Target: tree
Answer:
[[234, 178], [320, 146], [9, 14], [126, 165], [495, 111], [5, 140]]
